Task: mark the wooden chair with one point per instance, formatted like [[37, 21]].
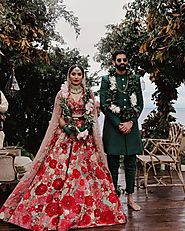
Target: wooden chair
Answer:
[[8, 171], [14, 150], [157, 153], [7, 168]]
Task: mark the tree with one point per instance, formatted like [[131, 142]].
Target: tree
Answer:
[[27, 28], [153, 34]]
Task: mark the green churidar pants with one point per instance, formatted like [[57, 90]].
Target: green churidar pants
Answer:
[[130, 170]]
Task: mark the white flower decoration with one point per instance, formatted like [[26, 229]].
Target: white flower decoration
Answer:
[[114, 108], [113, 83], [89, 106], [64, 89], [133, 100], [83, 135]]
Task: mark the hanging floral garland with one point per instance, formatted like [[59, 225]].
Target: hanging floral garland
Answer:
[[71, 128], [130, 89]]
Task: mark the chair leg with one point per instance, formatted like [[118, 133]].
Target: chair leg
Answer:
[[170, 169], [137, 174], [145, 179], [179, 173]]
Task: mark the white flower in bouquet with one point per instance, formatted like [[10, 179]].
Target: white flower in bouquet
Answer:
[[83, 135], [89, 106]]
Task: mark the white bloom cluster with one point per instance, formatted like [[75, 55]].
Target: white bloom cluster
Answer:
[[89, 106], [114, 108], [83, 135], [133, 100], [113, 83], [64, 89]]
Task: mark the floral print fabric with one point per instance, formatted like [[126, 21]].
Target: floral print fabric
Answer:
[[72, 189]]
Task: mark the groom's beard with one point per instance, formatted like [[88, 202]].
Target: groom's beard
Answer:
[[121, 67]]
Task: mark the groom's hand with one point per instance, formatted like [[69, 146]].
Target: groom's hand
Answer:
[[125, 127]]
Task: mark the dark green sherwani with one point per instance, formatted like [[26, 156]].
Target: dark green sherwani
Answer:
[[115, 142]]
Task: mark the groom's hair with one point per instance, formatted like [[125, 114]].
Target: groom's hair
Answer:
[[118, 52]]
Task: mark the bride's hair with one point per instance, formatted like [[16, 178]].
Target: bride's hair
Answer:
[[76, 66]]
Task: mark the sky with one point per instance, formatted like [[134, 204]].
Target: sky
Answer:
[[93, 16]]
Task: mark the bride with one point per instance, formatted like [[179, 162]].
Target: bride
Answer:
[[69, 185]]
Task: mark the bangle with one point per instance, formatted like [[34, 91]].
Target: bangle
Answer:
[[67, 130], [83, 127], [131, 122]]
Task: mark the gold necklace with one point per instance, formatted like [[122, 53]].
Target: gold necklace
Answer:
[[76, 90], [125, 88], [115, 85]]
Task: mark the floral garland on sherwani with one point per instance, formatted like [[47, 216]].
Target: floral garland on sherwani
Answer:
[[124, 113], [83, 132]]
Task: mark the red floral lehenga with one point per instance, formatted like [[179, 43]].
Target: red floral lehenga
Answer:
[[68, 187]]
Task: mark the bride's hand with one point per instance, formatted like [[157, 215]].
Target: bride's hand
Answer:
[[62, 122]]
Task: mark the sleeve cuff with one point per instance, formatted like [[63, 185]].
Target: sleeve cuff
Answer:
[[67, 130]]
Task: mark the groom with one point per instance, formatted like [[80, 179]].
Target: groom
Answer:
[[121, 101]]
